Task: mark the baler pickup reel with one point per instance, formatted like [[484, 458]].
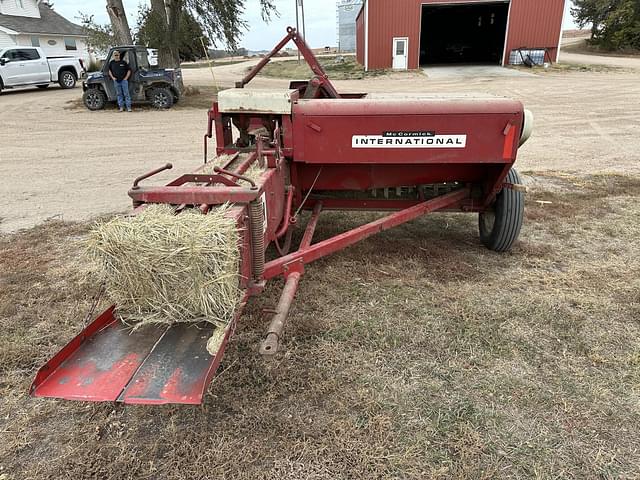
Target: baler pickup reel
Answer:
[[313, 150]]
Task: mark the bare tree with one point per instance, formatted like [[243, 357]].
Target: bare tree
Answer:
[[119, 22]]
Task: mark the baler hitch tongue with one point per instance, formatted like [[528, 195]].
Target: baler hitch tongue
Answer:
[[271, 342]]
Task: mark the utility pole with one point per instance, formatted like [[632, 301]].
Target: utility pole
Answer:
[[304, 30], [297, 27]]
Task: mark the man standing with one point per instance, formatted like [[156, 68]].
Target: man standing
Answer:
[[120, 71]]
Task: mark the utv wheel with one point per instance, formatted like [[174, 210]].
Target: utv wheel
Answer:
[[160, 97], [94, 99], [67, 79], [500, 227], [43, 86]]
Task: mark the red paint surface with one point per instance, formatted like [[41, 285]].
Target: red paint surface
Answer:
[[148, 371], [532, 24], [509, 143], [87, 382], [360, 37], [321, 249], [482, 121], [97, 364]]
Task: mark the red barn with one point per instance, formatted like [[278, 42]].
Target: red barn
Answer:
[[405, 34]]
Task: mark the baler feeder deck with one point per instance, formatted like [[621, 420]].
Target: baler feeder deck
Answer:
[[153, 365], [313, 149]]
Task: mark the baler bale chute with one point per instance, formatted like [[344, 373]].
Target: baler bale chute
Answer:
[[408, 155]]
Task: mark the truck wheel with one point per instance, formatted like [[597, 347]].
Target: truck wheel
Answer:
[[500, 227], [94, 99], [67, 79], [43, 86], [160, 97]]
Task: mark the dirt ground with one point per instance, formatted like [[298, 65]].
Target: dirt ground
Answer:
[[415, 354], [71, 164]]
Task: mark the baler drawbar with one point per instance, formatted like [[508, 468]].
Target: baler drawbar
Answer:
[[408, 155]]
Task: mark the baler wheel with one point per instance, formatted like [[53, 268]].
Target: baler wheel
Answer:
[[500, 227]]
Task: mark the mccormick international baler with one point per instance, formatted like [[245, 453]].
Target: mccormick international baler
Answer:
[[406, 155]]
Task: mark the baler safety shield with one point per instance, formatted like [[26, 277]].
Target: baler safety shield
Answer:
[[356, 131]]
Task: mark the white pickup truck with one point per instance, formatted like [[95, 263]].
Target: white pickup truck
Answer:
[[24, 66]]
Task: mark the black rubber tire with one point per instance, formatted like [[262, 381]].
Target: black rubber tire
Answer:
[[94, 99], [160, 97], [42, 87], [67, 79], [500, 227]]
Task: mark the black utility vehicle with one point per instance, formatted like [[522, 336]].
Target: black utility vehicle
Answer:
[[159, 87]]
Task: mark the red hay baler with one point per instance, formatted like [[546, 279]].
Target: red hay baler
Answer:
[[406, 154]]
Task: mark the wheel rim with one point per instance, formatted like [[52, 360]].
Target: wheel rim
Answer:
[[161, 99], [93, 100], [67, 79]]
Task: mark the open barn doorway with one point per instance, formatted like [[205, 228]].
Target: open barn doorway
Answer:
[[471, 33]]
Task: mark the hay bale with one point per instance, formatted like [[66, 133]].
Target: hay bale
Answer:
[[159, 267]]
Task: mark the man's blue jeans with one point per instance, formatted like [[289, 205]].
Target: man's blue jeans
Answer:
[[122, 92]]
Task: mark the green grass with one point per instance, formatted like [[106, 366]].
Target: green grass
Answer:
[[568, 68], [337, 68], [214, 63], [585, 48], [415, 354]]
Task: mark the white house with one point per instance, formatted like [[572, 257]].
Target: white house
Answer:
[[34, 23]]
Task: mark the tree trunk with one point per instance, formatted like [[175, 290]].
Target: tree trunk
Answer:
[[119, 22], [167, 14]]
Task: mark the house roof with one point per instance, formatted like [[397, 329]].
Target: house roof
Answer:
[[49, 22]]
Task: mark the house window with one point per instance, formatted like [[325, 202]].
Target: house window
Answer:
[[70, 44], [35, 41], [20, 4]]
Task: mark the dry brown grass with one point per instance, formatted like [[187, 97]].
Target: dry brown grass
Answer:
[[337, 68], [415, 354], [570, 68]]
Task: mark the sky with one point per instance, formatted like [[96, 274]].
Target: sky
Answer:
[[320, 19]]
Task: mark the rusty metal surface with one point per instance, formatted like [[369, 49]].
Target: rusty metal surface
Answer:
[[175, 369], [167, 166], [310, 58], [153, 365], [270, 344], [100, 367], [194, 195]]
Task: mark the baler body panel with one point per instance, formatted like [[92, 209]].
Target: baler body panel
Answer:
[[396, 132]]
